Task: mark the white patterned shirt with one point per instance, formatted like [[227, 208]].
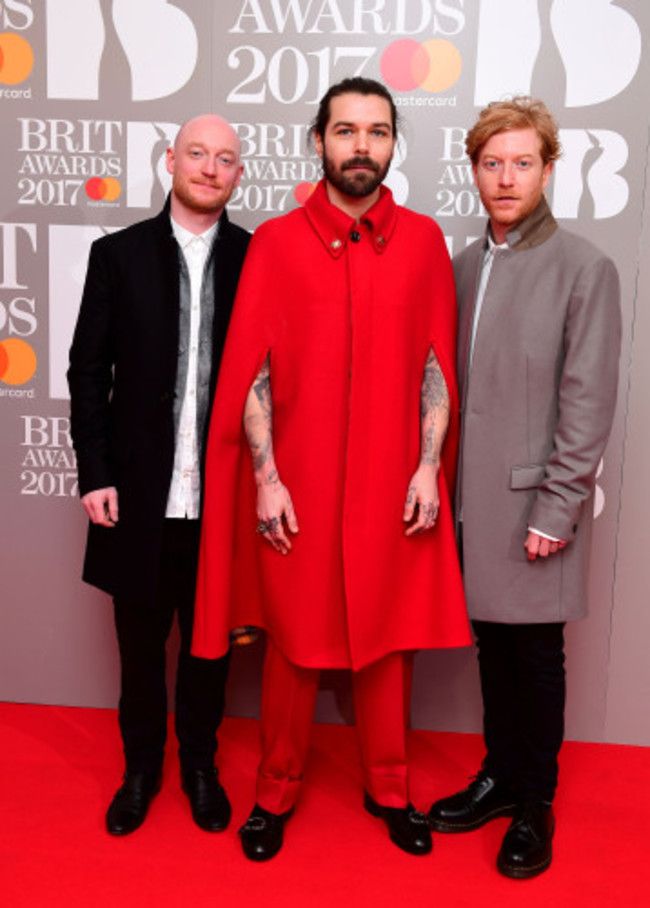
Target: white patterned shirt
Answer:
[[184, 499]]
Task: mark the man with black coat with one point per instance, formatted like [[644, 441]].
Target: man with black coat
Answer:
[[143, 370]]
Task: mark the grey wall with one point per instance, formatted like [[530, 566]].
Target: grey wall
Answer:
[[92, 89], [628, 687]]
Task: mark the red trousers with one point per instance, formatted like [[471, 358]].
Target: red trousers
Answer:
[[381, 701]]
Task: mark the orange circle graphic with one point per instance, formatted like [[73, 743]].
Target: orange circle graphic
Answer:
[[112, 189], [16, 58], [17, 361], [446, 65]]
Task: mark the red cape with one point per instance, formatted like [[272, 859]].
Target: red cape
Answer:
[[349, 326]]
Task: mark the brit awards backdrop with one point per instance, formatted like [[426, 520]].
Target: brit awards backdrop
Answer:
[[91, 94]]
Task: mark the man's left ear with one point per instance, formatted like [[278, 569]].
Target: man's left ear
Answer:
[[548, 170], [169, 160]]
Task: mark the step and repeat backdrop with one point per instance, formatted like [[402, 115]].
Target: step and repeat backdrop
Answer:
[[92, 92]]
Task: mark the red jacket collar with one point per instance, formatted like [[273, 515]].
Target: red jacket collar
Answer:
[[334, 226]]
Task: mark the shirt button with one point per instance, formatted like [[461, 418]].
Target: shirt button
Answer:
[[355, 236]]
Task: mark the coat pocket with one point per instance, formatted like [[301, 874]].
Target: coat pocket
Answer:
[[528, 477]]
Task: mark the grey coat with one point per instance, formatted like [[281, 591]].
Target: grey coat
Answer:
[[537, 407]]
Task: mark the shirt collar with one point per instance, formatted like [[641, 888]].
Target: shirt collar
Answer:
[[334, 226], [491, 246], [184, 237]]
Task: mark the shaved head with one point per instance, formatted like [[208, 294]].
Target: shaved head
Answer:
[[206, 168], [207, 122]]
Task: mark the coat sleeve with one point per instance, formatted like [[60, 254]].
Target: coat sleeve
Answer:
[[90, 376], [586, 400]]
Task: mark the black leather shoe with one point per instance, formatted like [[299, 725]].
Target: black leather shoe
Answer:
[[262, 833], [129, 807], [527, 845], [407, 827], [483, 800], [210, 805]]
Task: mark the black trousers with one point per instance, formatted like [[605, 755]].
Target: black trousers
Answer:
[[524, 690], [142, 634]]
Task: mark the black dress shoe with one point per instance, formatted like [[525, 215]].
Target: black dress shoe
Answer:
[[129, 807], [210, 805], [262, 833], [483, 800], [527, 845], [407, 827]]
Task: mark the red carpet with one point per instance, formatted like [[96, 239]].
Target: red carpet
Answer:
[[59, 768]]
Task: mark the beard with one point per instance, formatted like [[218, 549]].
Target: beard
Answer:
[[356, 183], [193, 202]]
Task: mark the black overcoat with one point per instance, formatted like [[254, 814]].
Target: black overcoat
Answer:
[[122, 377]]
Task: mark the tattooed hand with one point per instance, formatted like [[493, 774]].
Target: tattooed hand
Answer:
[[273, 504], [421, 507]]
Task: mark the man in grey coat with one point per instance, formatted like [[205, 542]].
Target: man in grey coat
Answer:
[[539, 342]]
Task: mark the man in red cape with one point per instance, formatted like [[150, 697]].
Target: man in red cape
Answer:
[[340, 358]]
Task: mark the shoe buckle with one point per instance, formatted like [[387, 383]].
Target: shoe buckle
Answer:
[[254, 824], [418, 818]]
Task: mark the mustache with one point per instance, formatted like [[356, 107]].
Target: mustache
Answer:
[[360, 161], [215, 184]]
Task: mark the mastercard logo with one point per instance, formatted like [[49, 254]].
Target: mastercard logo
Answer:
[[433, 66], [302, 192], [103, 189], [16, 58], [17, 361]]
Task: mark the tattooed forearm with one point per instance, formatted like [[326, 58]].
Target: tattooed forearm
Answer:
[[434, 411], [434, 394], [429, 453], [260, 450], [262, 388], [258, 424]]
